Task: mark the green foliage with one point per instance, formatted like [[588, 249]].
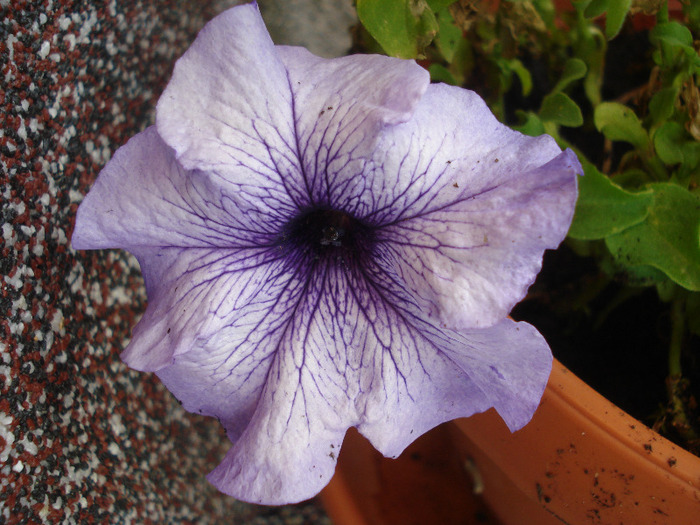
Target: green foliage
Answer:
[[590, 46], [449, 35], [402, 27], [560, 109], [636, 206], [673, 34], [615, 12], [638, 210], [669, 142], [574, 69], [557, 106], [531, 124], [604, 208], [668, 239], [662, 103], [618, 122]]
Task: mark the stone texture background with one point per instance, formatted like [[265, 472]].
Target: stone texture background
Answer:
[[83, 439], [318, 25]]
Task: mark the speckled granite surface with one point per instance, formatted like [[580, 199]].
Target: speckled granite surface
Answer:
[[83, 439]]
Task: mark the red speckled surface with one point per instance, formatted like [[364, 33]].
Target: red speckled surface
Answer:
[[83, 439]]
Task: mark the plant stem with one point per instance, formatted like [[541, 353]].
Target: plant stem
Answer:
[[677, 386]]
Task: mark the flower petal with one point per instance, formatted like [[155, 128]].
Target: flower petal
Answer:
[[195, 294], [466, 207], [203, 251], [289, 344], [340, 106], [143, 198], [279, 117], [346, 348], [451, 373], [505, 366], [510, 362], [275, 379], [228, 108]]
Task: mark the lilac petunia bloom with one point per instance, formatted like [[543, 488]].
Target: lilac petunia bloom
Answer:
[[327, 244]]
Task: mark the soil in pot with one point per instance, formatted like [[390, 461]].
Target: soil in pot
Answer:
[[616, 342], [612, 335]]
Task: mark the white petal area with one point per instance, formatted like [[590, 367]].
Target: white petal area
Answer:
[[465, 207], [340, 107], [303, 398], [505, 366], [195, 294], [144, 199], [510, 362], [340, 354], [228, 108], [280, 118]]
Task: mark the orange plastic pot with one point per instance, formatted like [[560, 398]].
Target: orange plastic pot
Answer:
[[581, 460]]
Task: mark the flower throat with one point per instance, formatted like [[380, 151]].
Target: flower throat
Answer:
[[327, 233]]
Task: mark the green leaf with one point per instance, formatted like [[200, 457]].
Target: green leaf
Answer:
[[633, 180], [692, 14], [449, 35], [532, 124], [673, 33], [436, 5], [678, 38], [618, 122], [559, 108], [691, 154], [668, 142], [402, 27], [668, 239], [616, 14], [439, 73], [603, 208], [580, 4], [596, 8], [662, 104], [547, 12], [574, 69], [592, 47], [523, 75]]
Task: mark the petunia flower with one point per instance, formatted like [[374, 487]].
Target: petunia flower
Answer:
[[328, 244]]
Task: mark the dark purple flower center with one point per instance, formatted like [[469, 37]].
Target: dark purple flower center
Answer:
[[329, 234]]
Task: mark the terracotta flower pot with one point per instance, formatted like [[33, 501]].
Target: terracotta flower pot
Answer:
[[581, 460]]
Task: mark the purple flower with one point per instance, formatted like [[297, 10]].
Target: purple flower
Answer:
[[327, 244]]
